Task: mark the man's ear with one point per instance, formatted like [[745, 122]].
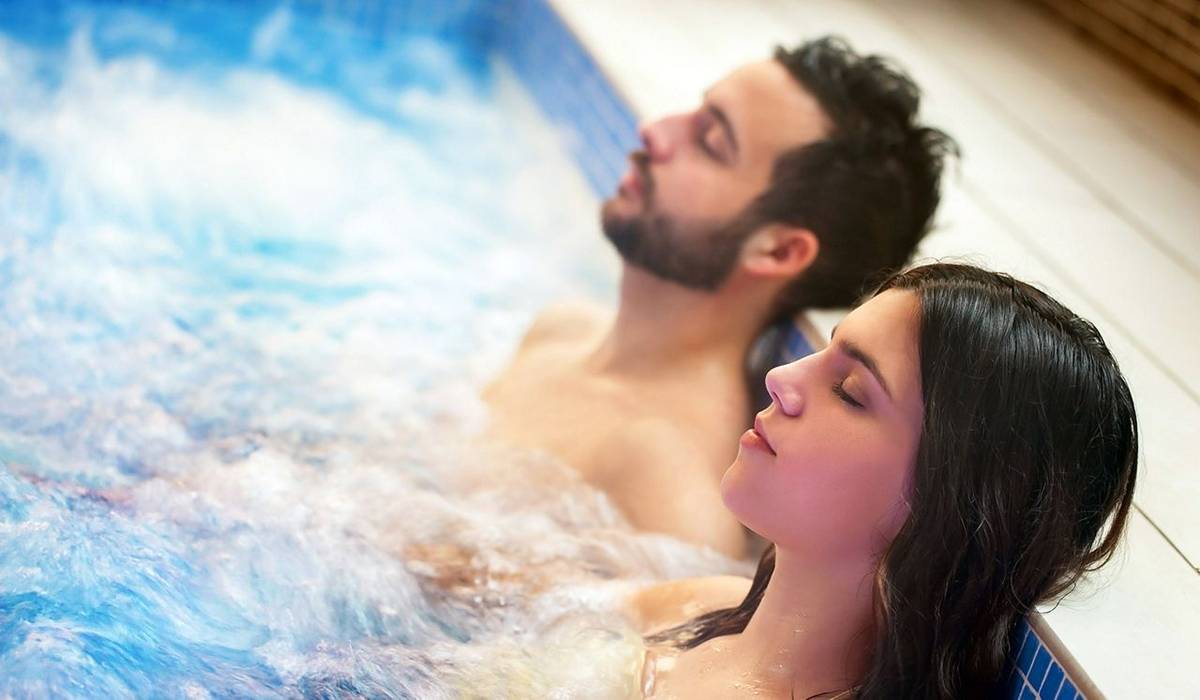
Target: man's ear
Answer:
[[779, 250]]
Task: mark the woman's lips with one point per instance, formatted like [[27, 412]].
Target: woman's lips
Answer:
[[762, 433], [756, 438]]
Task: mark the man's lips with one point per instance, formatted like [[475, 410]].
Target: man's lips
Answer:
[[636, 182], [631, 183]]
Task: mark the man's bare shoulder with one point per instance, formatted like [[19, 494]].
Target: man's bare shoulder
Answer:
[[650, 442], [646, 443], [566, 322], [665, 605]]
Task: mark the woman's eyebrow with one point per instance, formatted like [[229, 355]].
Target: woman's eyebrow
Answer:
[[857, 353], [867, 361]]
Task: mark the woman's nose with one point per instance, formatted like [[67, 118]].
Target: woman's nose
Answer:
[[784, 386], [660, 137]]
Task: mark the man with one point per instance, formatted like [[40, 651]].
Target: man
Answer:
[[795, 181]]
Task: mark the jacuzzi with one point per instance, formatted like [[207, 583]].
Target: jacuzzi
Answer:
[[256, 261]]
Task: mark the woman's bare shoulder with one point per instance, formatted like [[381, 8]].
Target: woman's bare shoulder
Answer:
[[666, 605]]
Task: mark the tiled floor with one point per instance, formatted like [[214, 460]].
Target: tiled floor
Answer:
[[1076, 176]]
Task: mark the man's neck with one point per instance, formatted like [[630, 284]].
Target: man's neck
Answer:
[[661, 326], [812, 632]]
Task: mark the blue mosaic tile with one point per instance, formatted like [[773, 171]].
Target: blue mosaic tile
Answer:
[[1016, 678], [1052, 682], [1034, 671], [1019, 640], [1037, 672], [570, 88], [1028, 651], [1067, 691], [797, 346]]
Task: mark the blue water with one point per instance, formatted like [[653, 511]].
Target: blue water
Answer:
[[254, 266]]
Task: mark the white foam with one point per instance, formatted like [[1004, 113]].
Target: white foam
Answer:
[[251, 319]]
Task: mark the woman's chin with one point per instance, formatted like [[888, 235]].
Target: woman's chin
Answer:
[[735, 490]]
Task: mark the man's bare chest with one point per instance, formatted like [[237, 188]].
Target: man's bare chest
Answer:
[[569, 417]]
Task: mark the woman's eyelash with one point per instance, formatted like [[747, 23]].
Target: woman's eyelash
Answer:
[[845, 396]]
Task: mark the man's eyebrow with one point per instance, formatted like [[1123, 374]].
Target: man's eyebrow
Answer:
[[863, 358], [723, 119]]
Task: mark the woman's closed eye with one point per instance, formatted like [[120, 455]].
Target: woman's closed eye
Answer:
[[839, 390]]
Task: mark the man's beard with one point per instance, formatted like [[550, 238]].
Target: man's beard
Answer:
[[697, 255]]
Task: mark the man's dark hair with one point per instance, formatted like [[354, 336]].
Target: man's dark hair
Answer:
[[869, 189]]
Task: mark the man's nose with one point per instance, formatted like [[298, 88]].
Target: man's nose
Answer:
[[785, 387], [660, 137]]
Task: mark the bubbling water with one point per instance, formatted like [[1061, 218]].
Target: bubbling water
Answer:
[[249, 294]]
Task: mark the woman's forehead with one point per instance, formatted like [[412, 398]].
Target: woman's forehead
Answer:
[[886, 329]]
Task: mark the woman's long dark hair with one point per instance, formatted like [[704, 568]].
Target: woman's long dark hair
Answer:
[[1028, 449]]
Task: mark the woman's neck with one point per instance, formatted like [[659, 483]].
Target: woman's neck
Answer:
[[812, 632]]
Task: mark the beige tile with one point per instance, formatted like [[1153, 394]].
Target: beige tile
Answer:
[[1137, 287], [1081, 69], [1103, 151], [1150, 605]]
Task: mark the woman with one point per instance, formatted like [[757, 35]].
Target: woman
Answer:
[[946, 464]]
